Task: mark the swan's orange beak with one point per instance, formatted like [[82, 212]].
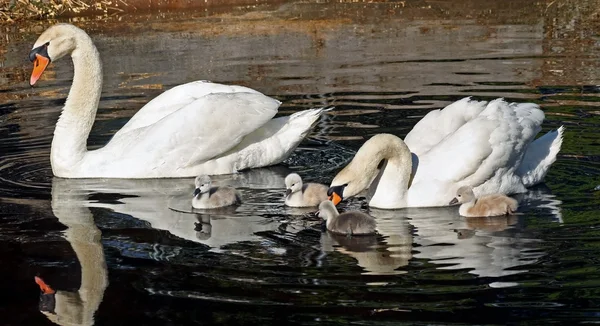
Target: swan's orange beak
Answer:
[[39, 65], [335, 193], [335, 198], [45, 288]]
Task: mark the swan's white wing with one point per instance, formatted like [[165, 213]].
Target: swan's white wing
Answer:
[[489, 147], [540, 155], [271, 143], [438, 124], [203, 129], [175, 99]]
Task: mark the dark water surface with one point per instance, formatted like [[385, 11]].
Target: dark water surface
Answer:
[[117, 255]]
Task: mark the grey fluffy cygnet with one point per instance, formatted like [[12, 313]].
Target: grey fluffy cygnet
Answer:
[[206, 196], [300, 194], [491, 205], [349, 223]]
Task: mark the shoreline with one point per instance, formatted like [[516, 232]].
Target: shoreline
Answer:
[[24, 10]]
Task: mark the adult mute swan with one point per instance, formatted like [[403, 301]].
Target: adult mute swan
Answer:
[[489, 146], [192, 129]]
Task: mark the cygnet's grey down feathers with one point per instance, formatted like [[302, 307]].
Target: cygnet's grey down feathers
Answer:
[[206, 196], [349, 223]]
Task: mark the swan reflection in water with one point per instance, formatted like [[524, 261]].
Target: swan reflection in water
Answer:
[[487, 247], [77, 307], [380, 254]]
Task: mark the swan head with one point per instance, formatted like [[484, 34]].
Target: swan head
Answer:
[[463, 195], [293, 183], [202, 183], [371, 157], [54, 43]]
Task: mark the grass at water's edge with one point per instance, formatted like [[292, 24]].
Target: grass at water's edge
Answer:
[[14, 10]]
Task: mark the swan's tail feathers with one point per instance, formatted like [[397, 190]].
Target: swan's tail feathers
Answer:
[[304, 121], [274, 142], [540, 155]]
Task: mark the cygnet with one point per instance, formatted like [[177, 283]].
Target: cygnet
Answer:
[[206, 197], [490, 205], [298, 194], [348, 223]]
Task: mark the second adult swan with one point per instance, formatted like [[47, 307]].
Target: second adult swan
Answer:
[[192, 129]]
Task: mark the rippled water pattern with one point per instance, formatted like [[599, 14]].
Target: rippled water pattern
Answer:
[[132, 252]]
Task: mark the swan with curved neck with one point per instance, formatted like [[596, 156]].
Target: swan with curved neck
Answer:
[[194, 128], [384, 161], [489, 146]]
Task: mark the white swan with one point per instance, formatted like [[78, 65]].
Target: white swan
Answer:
[[192, 129], [489, 146]]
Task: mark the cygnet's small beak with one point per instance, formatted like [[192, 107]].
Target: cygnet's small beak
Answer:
[[288, 192], [45, 288], [454, 201], [196, 192]]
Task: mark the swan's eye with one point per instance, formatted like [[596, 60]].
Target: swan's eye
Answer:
[[47, 43], [457, 195]]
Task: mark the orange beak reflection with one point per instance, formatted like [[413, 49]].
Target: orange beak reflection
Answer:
[[335, 198], [43, 286], [39, 65]]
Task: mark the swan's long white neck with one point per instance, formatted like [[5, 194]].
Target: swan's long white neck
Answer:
[[391, 185], [69, 144], [388, 184]]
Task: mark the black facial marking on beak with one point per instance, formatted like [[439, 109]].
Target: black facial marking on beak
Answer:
[[337, 189], [196, 192], [288, 192], [41, 50], [454, 201], [47, 302]]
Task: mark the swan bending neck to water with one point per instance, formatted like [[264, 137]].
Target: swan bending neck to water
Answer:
[[489, 146], [192, 129], [384, 161]]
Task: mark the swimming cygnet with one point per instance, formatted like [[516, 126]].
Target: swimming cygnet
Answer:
[[491, 205], [298, 194], [206, 196], [349, 223]]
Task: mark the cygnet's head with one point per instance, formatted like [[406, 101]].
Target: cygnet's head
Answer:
[[463, 195], [293, 183], [325, 209], [202, 183]]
